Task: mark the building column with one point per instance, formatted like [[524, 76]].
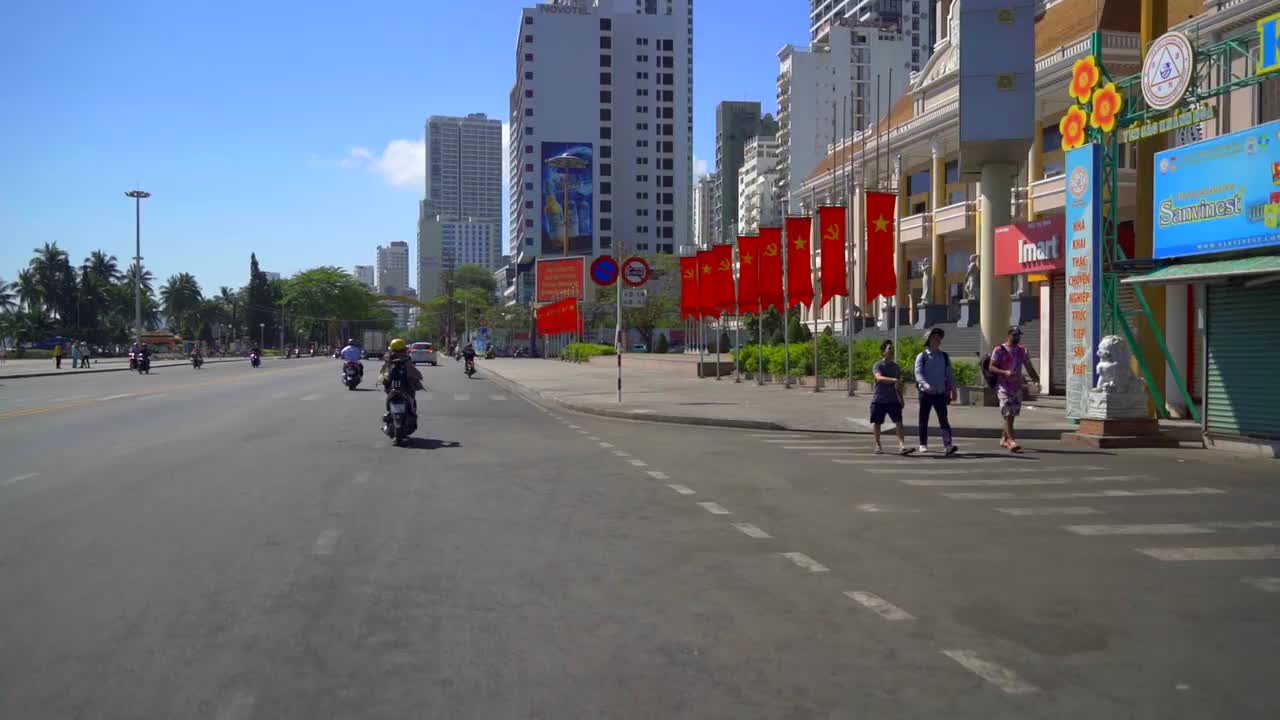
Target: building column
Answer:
[[1178, 340], [937, 199], [1153, 22], [994, 195], [1035, 163]]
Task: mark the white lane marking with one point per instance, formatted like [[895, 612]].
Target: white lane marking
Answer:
[[279, 396], [312, 396], [1198, 528], [1051, 510], [658, 475], [582, 432], [892, 458], [593, 438], [811, 446], [681, 489], [461, 397], [155, 396], [638, 463], [714, 508], [69, 397], [18, 478], [1090, 494], [778, 437], [962, 471], [805, 562], [574, 427], [239, 708], [606, 445], [1001, 677], [362, 478], [622, 453], [874, 507], [879, 605], [325, 543], [1184, 554], [497, 398], [115, 397], [752, 531], [1000, 482], [1266, 584]]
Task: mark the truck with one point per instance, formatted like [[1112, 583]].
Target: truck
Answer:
[[374, 343]]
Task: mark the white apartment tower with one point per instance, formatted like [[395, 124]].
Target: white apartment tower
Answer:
[[464, 166], [601, 107], [914, 18], [757, 204], [393, 268], [704, 212], [364, 273]]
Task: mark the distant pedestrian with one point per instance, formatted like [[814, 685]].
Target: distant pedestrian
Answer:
[[57, 355], [1008, 361], [75, 355], [937, 385], [886, 400], [85, 353]]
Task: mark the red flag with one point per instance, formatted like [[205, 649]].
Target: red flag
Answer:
[[799, 271], [689, 288], [882, 278], [702, 280], [558, 317], [748, 274], [770, 267], [834, 280], [717, 280]]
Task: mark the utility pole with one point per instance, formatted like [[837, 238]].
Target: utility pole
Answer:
[[138, 196]]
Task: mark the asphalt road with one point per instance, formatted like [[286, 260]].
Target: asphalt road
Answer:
[[232, 544]]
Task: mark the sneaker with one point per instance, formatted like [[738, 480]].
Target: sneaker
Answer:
[[924, 449], [878, 451], [952, 450], [904, 450]]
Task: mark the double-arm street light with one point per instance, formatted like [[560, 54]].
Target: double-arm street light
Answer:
[[138, 196]]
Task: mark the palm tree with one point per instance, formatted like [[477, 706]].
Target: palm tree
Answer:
[[28, 289], [180, 298], [102, 266], [56, 278], [8, 291], [147, 278], [231, 306]]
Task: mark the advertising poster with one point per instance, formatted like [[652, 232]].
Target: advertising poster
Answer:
[[1219, 195], [1084, 265], [567, 164], [559, 278]]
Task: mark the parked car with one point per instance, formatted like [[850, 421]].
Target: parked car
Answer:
[[640, 348], [423, 352]]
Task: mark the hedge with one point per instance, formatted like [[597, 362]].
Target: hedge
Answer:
[[833, 359], [583, 352]]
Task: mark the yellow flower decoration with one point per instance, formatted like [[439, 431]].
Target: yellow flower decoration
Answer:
[[1084, 77], [1107, 102], [1072, 126]]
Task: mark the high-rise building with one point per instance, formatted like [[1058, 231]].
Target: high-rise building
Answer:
[[757, 201], [393, 268], [430, 253], [737, 121], [704, 217], [601, 128], [464, 166], [364, 273], [913, 18], [466, 241], [830, 88]]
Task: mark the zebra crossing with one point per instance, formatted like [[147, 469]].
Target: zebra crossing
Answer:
[[1066, 497]]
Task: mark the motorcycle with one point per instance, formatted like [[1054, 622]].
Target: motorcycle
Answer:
[[401, 419], [490, 354], [133, 360], [470, 368], [143, 364], [254, 360], [197, 361], [351, 375]]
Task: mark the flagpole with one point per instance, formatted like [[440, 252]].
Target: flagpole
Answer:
[[849, 239], [737, 316], [786, 302], [617, 297], [897, 242], [759, 318], [816, 302]]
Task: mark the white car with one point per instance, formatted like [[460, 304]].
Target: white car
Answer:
[[423, 352]]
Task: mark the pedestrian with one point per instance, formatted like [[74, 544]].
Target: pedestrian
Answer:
[[57, 355], [886, 400], [1008, 361], [75, 354], [85, 352], [936, 383]]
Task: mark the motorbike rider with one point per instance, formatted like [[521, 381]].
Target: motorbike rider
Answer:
[[469, 354], [398, 352], [196, 354], [353, 354]]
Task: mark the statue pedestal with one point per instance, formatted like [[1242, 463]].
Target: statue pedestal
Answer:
[[1118, 420], [887, 319], [1024, 309], [969, 316], [930, 315]]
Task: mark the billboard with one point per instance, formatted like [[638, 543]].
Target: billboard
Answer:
[[567, 164], [1219, 195], [559, 278], [1084, 263], [1031, 247]]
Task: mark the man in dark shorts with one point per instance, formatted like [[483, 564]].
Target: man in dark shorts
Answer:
[[886, 400]]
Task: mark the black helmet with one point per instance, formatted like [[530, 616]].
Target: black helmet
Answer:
[[351, 341]]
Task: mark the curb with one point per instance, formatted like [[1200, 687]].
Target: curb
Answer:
[[126, 368], [588, 409]]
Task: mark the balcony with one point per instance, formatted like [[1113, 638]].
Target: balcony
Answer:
[[915, 228], [956, 218], [1049, 194]]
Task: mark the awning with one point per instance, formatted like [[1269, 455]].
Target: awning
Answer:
[[1197, 272]]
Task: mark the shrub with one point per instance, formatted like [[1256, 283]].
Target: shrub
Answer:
[[583, 352], [725, 344], [660, 345], [797, 332], [747, 357], [967, 374]]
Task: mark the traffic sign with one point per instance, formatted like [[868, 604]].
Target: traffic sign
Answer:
[[634, 297], [635, 271], [604, 270]]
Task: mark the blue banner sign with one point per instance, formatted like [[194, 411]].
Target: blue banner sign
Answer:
[[1219, 195], [1084, 265]]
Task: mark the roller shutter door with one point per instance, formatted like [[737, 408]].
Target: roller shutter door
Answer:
[[1243, 395]]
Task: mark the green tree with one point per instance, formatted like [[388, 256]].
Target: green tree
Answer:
[[56, 280], [316, 298], [259, 308], [474, 276], [660, 345], [797, 332], [28, 290], [181, 298], [8, 297]]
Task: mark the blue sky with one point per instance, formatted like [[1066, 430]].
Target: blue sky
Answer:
[[290, 129]]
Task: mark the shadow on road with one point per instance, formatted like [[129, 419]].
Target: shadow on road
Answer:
[[418, 443]]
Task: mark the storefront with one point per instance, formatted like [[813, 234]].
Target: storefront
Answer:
[[1217, 228], [1036, 250]]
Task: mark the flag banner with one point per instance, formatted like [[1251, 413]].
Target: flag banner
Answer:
[[702, 280], [799, 269], [689, 288], [558, 317], [882, 277], [748, 278], [718, 273], [831, 221], [770, 268]]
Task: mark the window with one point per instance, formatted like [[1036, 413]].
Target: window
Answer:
[[642, 196], [528, 223], [667, 62], [606, 61], [667, 146], [528, 57], [952, 169], [606, 241], [668, 248], [667, 95], [606, 78], [528, 241], [667, 45], [528, 19], [528, 38], [666, 181], [642, 212], [606, 24], [1051, 137], [606, 224], [642, 76], [606, 96], [667, 79], [666, 233], [667, 113], [606, 133], [606, 188], [528, 112], [528, 93], [642, 161], [642, 109], [606, 151], [642, 126], [606, 206], [642, 178], [666, 163], [666, 199], [606, 42], [528, 149], [668, 129], [528, 131], [528, 204], [642, 229], [606, 169], [528, 167], [528, 74], [666, 216], [528, 186], [915, 56], [606, 114], [642, 92], [642, 58]]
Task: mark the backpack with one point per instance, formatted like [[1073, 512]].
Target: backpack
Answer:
[[992, 379], [946, 359]]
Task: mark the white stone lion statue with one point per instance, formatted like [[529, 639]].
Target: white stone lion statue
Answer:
[[1114, 373]]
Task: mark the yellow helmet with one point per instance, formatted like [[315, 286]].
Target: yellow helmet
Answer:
[[397, 345]]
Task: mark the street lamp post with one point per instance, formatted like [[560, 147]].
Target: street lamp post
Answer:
[[262, 329], [138, 196]]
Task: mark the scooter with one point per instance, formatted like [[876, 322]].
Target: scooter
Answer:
[[401, 418], [470, 368], [197, 361], [144, 365], [350, 375], [254, 360]]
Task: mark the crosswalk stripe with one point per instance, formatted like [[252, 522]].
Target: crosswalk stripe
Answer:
[[1013, 468], [1267, 584], [498, 398], [1002, 482], [1185, 554], [1083, 494], [461, 397], [1197, 528], [1051, 510], [916, 462]]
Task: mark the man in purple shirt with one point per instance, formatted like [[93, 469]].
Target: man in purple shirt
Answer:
[[1008, 361]]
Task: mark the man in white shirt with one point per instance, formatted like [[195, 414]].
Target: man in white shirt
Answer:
[[353, 354]]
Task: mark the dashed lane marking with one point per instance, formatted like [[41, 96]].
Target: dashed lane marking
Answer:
[[879, 605], [497, 398], [461, 397], [1002, 677], [1022, 467], [1001, 482], [606, 445], [574, 427], [638, 463], [593, 438], [752, 531], [877, 508], [714, 508], [1266, 584], [622, 453], [1188, 554], [1151, 492], [1051, 510], [312, 396], [805, 562], [362, 478], [682, 489], [115, 397], [325, 544], [658, 475], [1198, 528], [18, 478]]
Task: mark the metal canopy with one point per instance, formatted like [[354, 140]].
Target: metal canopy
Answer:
[[1197, 272]]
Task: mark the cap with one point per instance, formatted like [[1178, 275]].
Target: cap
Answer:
[[934, 331], [1015, 330]]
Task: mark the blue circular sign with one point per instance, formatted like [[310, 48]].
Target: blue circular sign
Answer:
[[604, 270]]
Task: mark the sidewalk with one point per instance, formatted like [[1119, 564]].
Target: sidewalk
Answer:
[[666, 390], [17, 369]]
